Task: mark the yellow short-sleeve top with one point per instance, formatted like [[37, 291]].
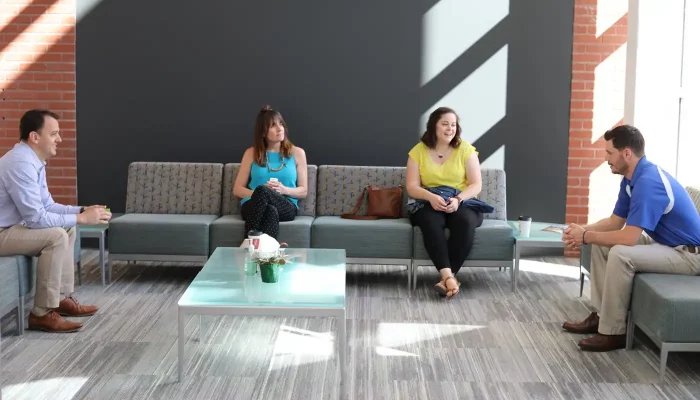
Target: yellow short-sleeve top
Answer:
[[452, 173]]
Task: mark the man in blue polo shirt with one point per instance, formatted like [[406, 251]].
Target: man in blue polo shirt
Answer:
[[654, 228]]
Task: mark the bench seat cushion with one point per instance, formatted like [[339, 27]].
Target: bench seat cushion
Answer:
[[493, 241], [669, 305], [229, 231], [9, 283], [383, 238], [161, 234]]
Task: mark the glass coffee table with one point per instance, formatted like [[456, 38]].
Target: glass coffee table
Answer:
[[312, 285], [538, 239]]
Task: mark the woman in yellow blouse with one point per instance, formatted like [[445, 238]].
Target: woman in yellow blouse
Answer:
[[443, 177]]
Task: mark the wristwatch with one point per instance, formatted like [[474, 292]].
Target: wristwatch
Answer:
[[82, 210]]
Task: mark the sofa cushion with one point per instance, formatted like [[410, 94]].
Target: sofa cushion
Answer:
[[163, 234], [384, 238], [493, 192], [668, 305], [9, 283], [174, 188], [340, 186], [231, 205], [27, 274], [493, 240], [229, 231]]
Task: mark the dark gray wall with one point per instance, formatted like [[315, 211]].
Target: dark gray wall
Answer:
[[183, 81]]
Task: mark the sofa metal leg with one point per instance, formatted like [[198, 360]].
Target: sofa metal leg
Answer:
[[20, 315], [580, 294], [415, 274], [410, 274], [630, 332], [662, 364]]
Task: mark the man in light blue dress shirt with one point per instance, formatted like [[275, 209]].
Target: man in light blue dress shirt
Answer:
[[33, 224]]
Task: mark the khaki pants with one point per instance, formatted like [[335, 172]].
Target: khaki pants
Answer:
[[55, 248], [612, 274]]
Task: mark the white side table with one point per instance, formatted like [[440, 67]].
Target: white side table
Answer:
[[98, 232], [537, 239]]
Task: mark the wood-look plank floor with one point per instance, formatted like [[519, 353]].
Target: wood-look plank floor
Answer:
[[486, 343]]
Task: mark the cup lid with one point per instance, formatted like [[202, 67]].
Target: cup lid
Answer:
[[524, 218], [254, 233]]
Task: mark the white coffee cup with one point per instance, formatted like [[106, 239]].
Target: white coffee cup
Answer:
[[524, 224], [274, 180]]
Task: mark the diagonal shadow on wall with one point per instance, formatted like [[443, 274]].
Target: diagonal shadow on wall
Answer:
[[346, 84], [534, 130]]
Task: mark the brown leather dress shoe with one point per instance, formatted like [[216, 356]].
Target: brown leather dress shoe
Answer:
[[588, 325], [71, 308], [52, 322], [602, 342]]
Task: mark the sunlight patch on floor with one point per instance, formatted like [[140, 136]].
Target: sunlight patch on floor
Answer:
[[54, 389], [392, 335], [540, 267]]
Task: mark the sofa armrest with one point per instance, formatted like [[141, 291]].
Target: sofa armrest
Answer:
[[77, 247], [585, 257], [694, 193]]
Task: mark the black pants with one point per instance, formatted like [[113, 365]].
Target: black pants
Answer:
[[443, 252], [264, 211]]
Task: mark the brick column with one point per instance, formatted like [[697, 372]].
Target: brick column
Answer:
[[37, 70], [597, 104]]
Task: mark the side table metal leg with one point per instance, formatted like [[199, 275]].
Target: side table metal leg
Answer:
[[102, 256], [180, 342], [342, 352], [80, 273], [516, 268]]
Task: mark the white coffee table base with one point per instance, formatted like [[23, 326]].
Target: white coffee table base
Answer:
[[339, 314]]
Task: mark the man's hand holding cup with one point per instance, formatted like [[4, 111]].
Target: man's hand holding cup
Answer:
[[94, 215]]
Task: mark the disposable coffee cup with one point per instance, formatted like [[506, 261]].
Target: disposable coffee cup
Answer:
[[524, 224], [254, 240], [273, 180]]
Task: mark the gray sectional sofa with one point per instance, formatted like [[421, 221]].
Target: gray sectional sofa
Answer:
[[169, 211], [665, 307], [184, 211]]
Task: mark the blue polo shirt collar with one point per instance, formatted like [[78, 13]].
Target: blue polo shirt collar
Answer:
[[639, 170]]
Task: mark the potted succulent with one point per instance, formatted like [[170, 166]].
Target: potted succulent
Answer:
[[269, 265]]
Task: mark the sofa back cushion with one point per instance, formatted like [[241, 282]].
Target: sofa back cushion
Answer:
[[339, 188], [493, 192], [174, 188], [231, 205], [695, 196]]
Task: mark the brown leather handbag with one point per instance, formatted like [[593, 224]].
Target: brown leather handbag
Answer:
[[381, 203]]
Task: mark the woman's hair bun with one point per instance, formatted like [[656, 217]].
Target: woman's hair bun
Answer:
[[266, 107]]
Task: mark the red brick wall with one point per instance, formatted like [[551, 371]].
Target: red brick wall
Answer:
[[597, 102], [37, 69]]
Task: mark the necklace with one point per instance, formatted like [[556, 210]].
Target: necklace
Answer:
[[440, 155], [270, 169]]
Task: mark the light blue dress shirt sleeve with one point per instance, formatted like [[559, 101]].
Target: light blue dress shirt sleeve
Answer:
[[34, 202]]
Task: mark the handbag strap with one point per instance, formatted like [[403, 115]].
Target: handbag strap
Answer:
[[361, 200]]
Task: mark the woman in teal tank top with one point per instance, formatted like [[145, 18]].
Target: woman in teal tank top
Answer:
[[272, 177]]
